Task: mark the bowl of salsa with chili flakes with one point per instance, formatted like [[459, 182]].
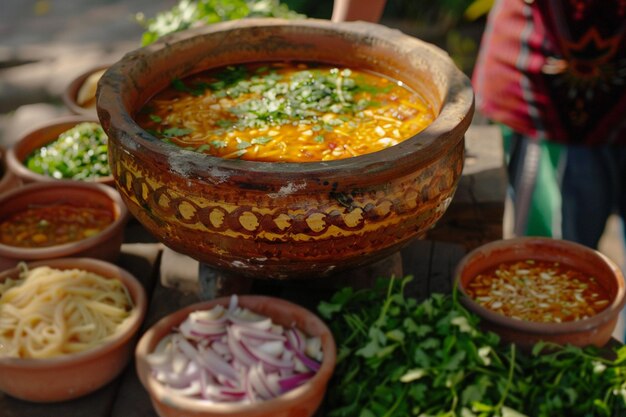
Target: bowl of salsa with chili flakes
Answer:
[[60, 219], [533, 289]]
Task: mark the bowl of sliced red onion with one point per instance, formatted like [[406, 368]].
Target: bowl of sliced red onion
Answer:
[[249, 356]]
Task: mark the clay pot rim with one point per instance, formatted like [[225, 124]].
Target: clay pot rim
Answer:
[[130, 329], [16, 165], [123, 215], [293, 397], [456, 109], [579, 326]]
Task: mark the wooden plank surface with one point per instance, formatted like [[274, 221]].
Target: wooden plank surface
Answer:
[[431, 264], [473, 218], [476, 212], [421, 258]]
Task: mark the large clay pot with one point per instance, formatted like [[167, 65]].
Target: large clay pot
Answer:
[[287, 220]]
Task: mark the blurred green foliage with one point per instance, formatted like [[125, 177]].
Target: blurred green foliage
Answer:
[[436, 21], [189, 13]]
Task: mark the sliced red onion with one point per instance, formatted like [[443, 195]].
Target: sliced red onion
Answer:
[[216, 365], [251, 394], [240, 354], [215, 315], [234, 394], [197, 330], [270, 362], [274, 348], [314, 348], [233, 303], [240, 331], [259, 381], [310, 363], [221, 348], [244, 319], [190, 390], [160, 360], [234, 355], [186, 348], [294, 381], [179, 362]]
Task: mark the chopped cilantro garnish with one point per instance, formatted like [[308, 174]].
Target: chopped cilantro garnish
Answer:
[[224, 123], [176, 131], [203, 148], [243, 145], [261, 140], [196, 90], [218, 144]]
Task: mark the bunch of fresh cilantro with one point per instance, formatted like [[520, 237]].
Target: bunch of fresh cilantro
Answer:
[[188, 13], [398, 357]]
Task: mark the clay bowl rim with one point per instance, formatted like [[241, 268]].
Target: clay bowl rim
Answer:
[[130, 329], [112, 229], [540, 328], [456, 108], [20, 170], [149, 340], [8, 179], [71, 90]]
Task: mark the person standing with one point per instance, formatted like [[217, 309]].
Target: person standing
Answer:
[[366, 10], [553, 74]]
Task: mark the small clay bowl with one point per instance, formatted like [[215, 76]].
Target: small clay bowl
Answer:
[[80, 94], [8, 180], [104, 245], [71, 376], [595, 330], [41, 136], [302, 401]]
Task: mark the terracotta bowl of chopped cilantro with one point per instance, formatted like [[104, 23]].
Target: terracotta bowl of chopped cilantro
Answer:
[[214, 176], [533, 289], [67, 148]]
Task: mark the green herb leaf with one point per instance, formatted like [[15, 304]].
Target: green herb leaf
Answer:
[[176, 131]]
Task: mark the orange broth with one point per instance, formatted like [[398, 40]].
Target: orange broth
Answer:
[[51, 225], [539, 291], [288, 112]]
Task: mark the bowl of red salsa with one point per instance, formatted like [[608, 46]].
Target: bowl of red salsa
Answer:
[[60, 219], [533, 289]]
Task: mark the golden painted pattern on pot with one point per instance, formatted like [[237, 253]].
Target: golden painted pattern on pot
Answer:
[[254, 215]]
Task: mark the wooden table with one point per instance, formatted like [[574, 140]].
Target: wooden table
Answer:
[[171, 280], [431, 263]]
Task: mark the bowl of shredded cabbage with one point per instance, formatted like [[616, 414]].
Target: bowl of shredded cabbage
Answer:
[[253, 356], [67, 327]]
